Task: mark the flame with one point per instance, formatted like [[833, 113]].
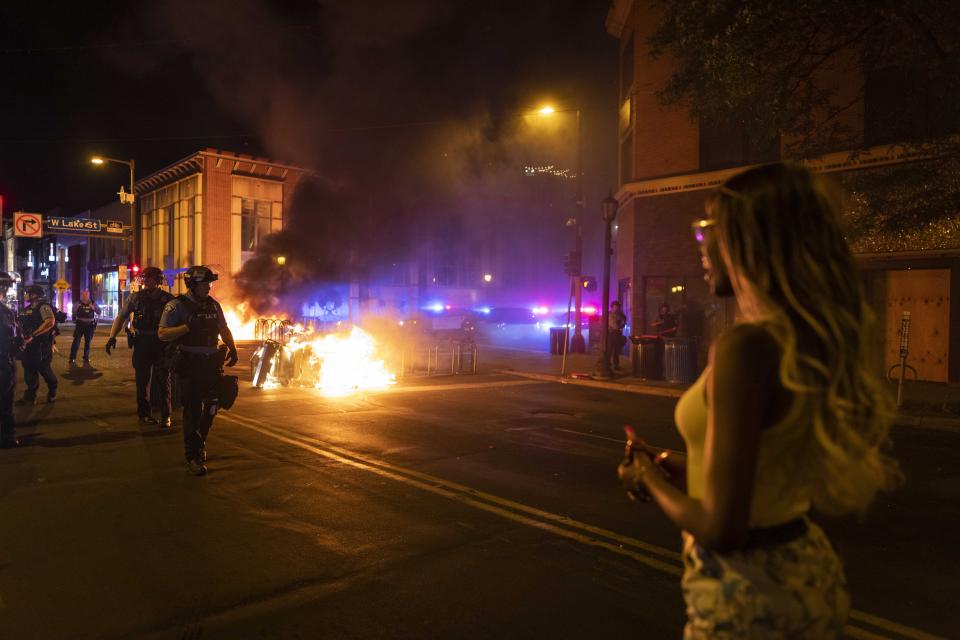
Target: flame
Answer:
[[242, 324], [338, 364], [347, 364]]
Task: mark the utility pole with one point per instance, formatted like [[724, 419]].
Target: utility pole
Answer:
[[577, 344]]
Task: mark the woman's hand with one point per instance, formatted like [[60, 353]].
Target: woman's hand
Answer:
[[632, 471]]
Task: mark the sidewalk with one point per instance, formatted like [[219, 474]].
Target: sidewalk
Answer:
[[926, 405]]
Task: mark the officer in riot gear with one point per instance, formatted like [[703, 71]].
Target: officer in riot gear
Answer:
[[9, 348], [38, 334], [85, 315], [146, 306], [194, 324]]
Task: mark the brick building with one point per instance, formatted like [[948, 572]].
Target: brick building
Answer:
[[213, 208], [668, 163]]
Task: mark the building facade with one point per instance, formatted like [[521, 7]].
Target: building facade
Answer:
[[213, 208], [669, 161]]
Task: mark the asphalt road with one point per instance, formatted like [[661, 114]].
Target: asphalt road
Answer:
[[457, 507]]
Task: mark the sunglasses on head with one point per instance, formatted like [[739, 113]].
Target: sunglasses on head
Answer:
[[700, 228]]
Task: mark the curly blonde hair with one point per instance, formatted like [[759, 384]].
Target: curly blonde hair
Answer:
[[779, 235]]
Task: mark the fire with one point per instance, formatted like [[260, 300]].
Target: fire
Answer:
[[337, 364], [242, 324], [347, 364]]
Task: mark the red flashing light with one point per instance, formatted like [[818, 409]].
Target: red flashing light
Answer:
[[589, 310], [135, 270]]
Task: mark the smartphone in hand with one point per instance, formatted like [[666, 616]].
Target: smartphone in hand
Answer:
[[639, 494]]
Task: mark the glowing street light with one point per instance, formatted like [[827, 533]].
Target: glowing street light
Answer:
[[101, 160], [546, 110], [488, 277], [281, 260]]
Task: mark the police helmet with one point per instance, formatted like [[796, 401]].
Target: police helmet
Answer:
[[198, 274], [36, 289], [5, 280], [152, 272]]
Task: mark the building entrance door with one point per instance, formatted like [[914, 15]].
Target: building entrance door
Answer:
[[925, 293]]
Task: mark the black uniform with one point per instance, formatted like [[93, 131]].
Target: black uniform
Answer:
[[38, 354], [147, 307], [199, 366], [85, 319], [8, 373]]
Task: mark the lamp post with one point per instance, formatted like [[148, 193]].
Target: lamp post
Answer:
[[99, 160], [577, 343], [609, 205]]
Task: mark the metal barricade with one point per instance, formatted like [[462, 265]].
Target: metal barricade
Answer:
[[273, 329], [438, 358]]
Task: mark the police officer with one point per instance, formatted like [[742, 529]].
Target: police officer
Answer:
[[8, 368], [194, 322], [147, 306], [85, 315], [38, 336]]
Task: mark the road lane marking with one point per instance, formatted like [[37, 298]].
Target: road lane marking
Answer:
[[458, 387], [468, 494], [593, 435], [531, 516]]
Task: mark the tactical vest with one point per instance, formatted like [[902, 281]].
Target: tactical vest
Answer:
[[33, 322], [84, 311], [7, 330], [204, 322], [147, 310]]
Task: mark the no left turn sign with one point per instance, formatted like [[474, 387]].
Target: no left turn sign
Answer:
[[27, 225]]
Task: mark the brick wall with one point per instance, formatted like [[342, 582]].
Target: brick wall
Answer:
[[666, 140], [216, 217]]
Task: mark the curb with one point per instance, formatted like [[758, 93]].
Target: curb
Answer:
[[933, 423], [596, 384]]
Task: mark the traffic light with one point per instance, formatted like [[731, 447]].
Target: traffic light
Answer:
[[134, 270], [589, 283], [571, 263]]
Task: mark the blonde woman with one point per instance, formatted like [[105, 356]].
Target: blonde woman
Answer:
[[787, 416]]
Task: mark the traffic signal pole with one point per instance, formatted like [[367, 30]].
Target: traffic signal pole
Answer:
[[577, 344]]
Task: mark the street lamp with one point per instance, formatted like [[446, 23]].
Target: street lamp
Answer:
[[281, 260], [577, 343], [100, 160], [488, 277], [610, 206]]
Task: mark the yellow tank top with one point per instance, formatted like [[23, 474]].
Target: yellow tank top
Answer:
[[779, 492]]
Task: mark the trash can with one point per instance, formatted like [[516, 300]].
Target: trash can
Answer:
[[556, 339], [679, 360], [649, 361]]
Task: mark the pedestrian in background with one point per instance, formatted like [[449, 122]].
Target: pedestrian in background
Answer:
[[617, 320], [146, 306], [666, 323], [194, 323], [9, 348], [788, 415], [38, 335], [85, 315]]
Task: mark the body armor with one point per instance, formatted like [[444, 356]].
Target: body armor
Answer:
[[147, 310], [204, 323], [8, 334], [84, 312], [33, 322]]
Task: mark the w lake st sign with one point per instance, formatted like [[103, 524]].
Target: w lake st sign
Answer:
[[83, 226]]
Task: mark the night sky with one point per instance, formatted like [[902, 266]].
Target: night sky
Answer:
[[398, 98]]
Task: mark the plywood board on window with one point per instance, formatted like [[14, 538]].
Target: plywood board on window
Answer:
[[925, 293]]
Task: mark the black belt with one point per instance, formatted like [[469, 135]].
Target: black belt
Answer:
[[777, 534]]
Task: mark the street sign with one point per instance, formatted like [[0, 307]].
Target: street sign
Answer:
[[27, 225], [61, 285], [83, 226]]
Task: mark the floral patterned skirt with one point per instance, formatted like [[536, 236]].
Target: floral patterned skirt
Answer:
[[791, 590]]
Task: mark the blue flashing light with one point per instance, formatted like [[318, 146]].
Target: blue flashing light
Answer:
[[484, 310], [436, 307]]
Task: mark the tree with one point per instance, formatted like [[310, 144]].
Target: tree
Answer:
[[763, 63], [760, 60]]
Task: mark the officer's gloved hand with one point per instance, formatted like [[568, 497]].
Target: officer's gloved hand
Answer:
[[232, 357], [111, 344]]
